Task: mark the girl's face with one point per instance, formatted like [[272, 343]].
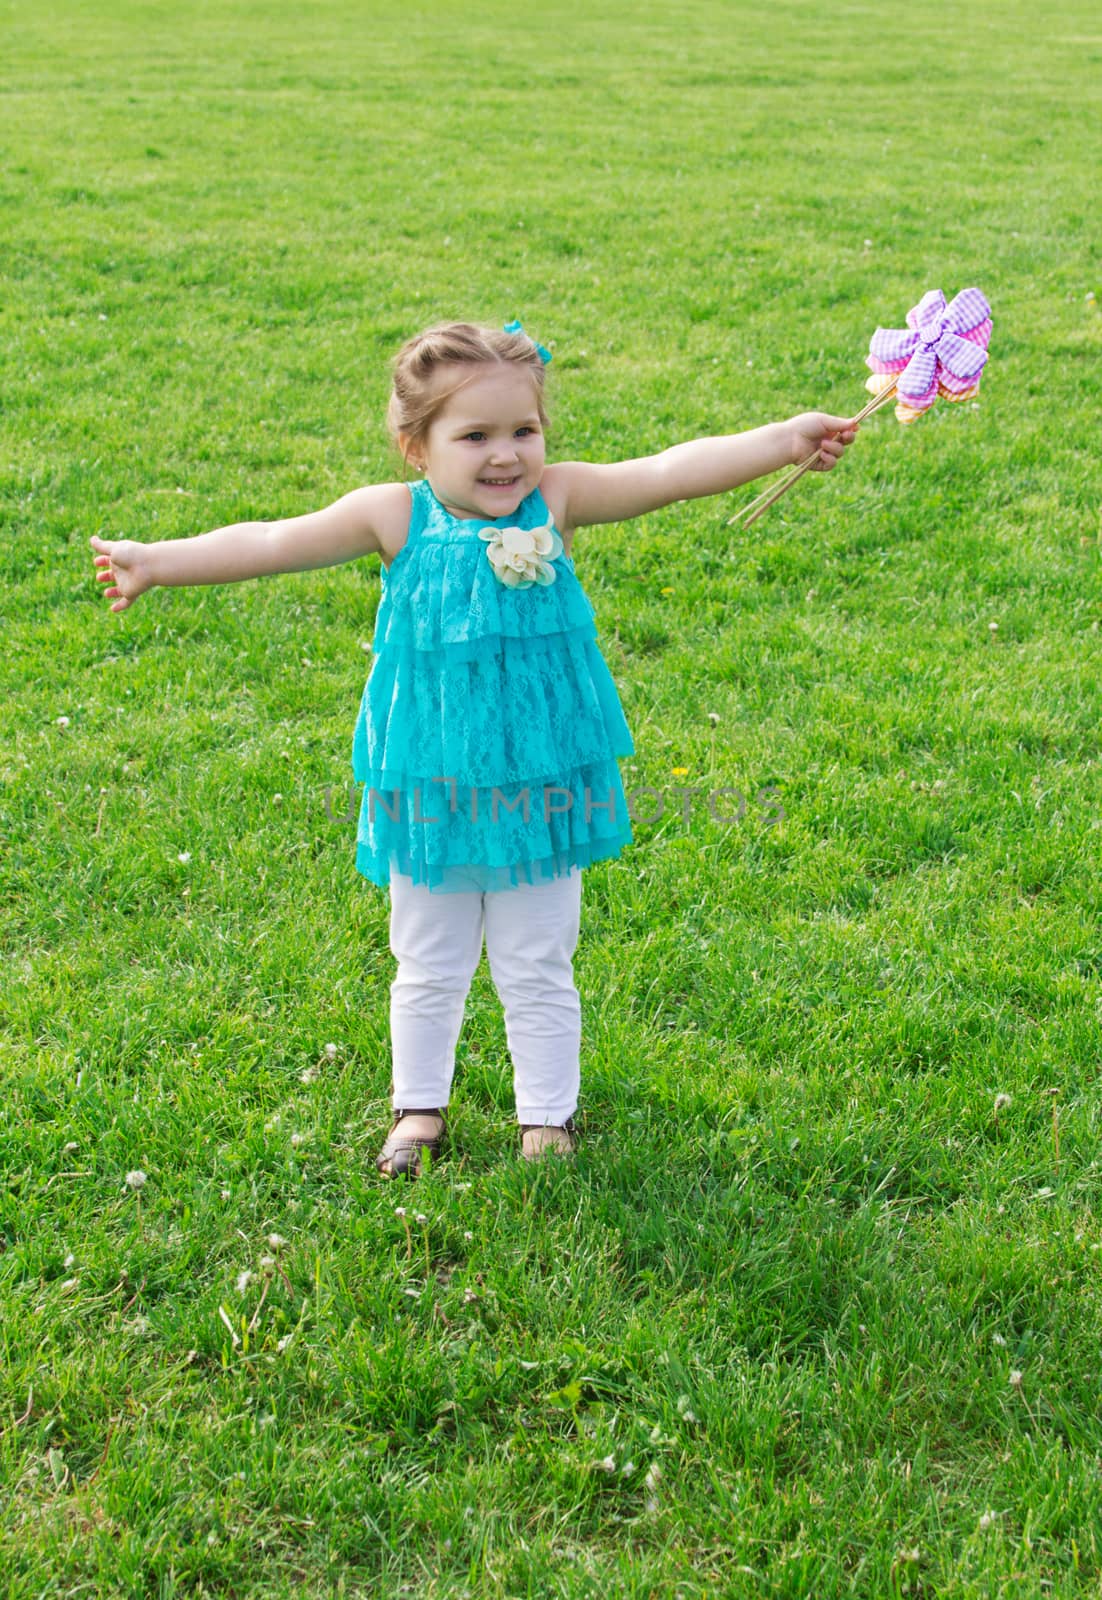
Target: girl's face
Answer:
[[484, 450]]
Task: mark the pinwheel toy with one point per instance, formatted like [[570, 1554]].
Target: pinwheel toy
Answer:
[[942, 351]]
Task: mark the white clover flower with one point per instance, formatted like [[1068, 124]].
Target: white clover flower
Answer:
[[63, 722], [653, 1477], [70, 1147], [988, 1520], [1015, 1379], [276, 1241], [135, 1180], [468, 1235], [70, 1260], [297, 1139], [1001, 1102], [184, 857], [243, 1280], [267, 1265], [331, 1052], [607, 1465]]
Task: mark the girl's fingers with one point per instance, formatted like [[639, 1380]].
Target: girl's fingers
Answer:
[[105, 574]]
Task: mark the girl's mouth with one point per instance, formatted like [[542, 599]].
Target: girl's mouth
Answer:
[[500, 483]]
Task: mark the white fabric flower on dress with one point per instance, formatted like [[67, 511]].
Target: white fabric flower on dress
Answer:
[[521, 557]]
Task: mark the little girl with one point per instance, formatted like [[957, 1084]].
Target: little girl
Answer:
[[490, 727]]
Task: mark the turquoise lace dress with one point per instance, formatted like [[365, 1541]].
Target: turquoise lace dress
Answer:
[[490, 725]]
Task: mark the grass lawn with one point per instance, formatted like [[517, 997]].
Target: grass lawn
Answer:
[[817, 1311]]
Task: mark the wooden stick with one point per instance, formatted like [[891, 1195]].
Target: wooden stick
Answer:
[[802, 466], [781, 489], [753, 511], [790, 477], [761, 499], [875, 403]]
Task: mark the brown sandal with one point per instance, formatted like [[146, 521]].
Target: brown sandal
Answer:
[[401, 1155], [553, 1141]]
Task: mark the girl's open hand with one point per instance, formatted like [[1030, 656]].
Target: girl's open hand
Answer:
[[123, 563], [816, 430]]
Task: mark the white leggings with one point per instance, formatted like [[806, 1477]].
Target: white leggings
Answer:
[[531, 933]]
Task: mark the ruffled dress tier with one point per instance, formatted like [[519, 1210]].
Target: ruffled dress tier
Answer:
[[490, 726]]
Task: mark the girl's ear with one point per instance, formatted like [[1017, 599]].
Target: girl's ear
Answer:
[[410, 453]]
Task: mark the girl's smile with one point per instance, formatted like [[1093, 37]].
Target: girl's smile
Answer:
[[484, 450]]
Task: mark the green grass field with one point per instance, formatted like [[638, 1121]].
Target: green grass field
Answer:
[[817, 1311]]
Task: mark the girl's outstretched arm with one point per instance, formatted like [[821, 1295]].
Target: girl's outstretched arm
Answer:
[[367, 521], [583, 493]]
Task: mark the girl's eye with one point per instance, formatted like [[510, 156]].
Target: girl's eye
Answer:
[[476, 435]]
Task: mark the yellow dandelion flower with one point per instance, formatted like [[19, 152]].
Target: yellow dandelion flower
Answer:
[[667, 591], [680, 772]]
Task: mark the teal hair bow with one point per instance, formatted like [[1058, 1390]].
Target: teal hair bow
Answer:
[[516, 327]]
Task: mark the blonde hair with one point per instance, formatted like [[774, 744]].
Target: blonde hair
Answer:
[[415, 398]]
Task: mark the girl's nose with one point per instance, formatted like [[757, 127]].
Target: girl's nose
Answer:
[[505, 450]]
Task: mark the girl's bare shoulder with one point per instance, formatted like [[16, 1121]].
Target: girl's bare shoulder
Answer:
[[553, 487], [386, 506]]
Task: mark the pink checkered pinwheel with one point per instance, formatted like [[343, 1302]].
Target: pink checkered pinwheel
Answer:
[[942, 351]]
